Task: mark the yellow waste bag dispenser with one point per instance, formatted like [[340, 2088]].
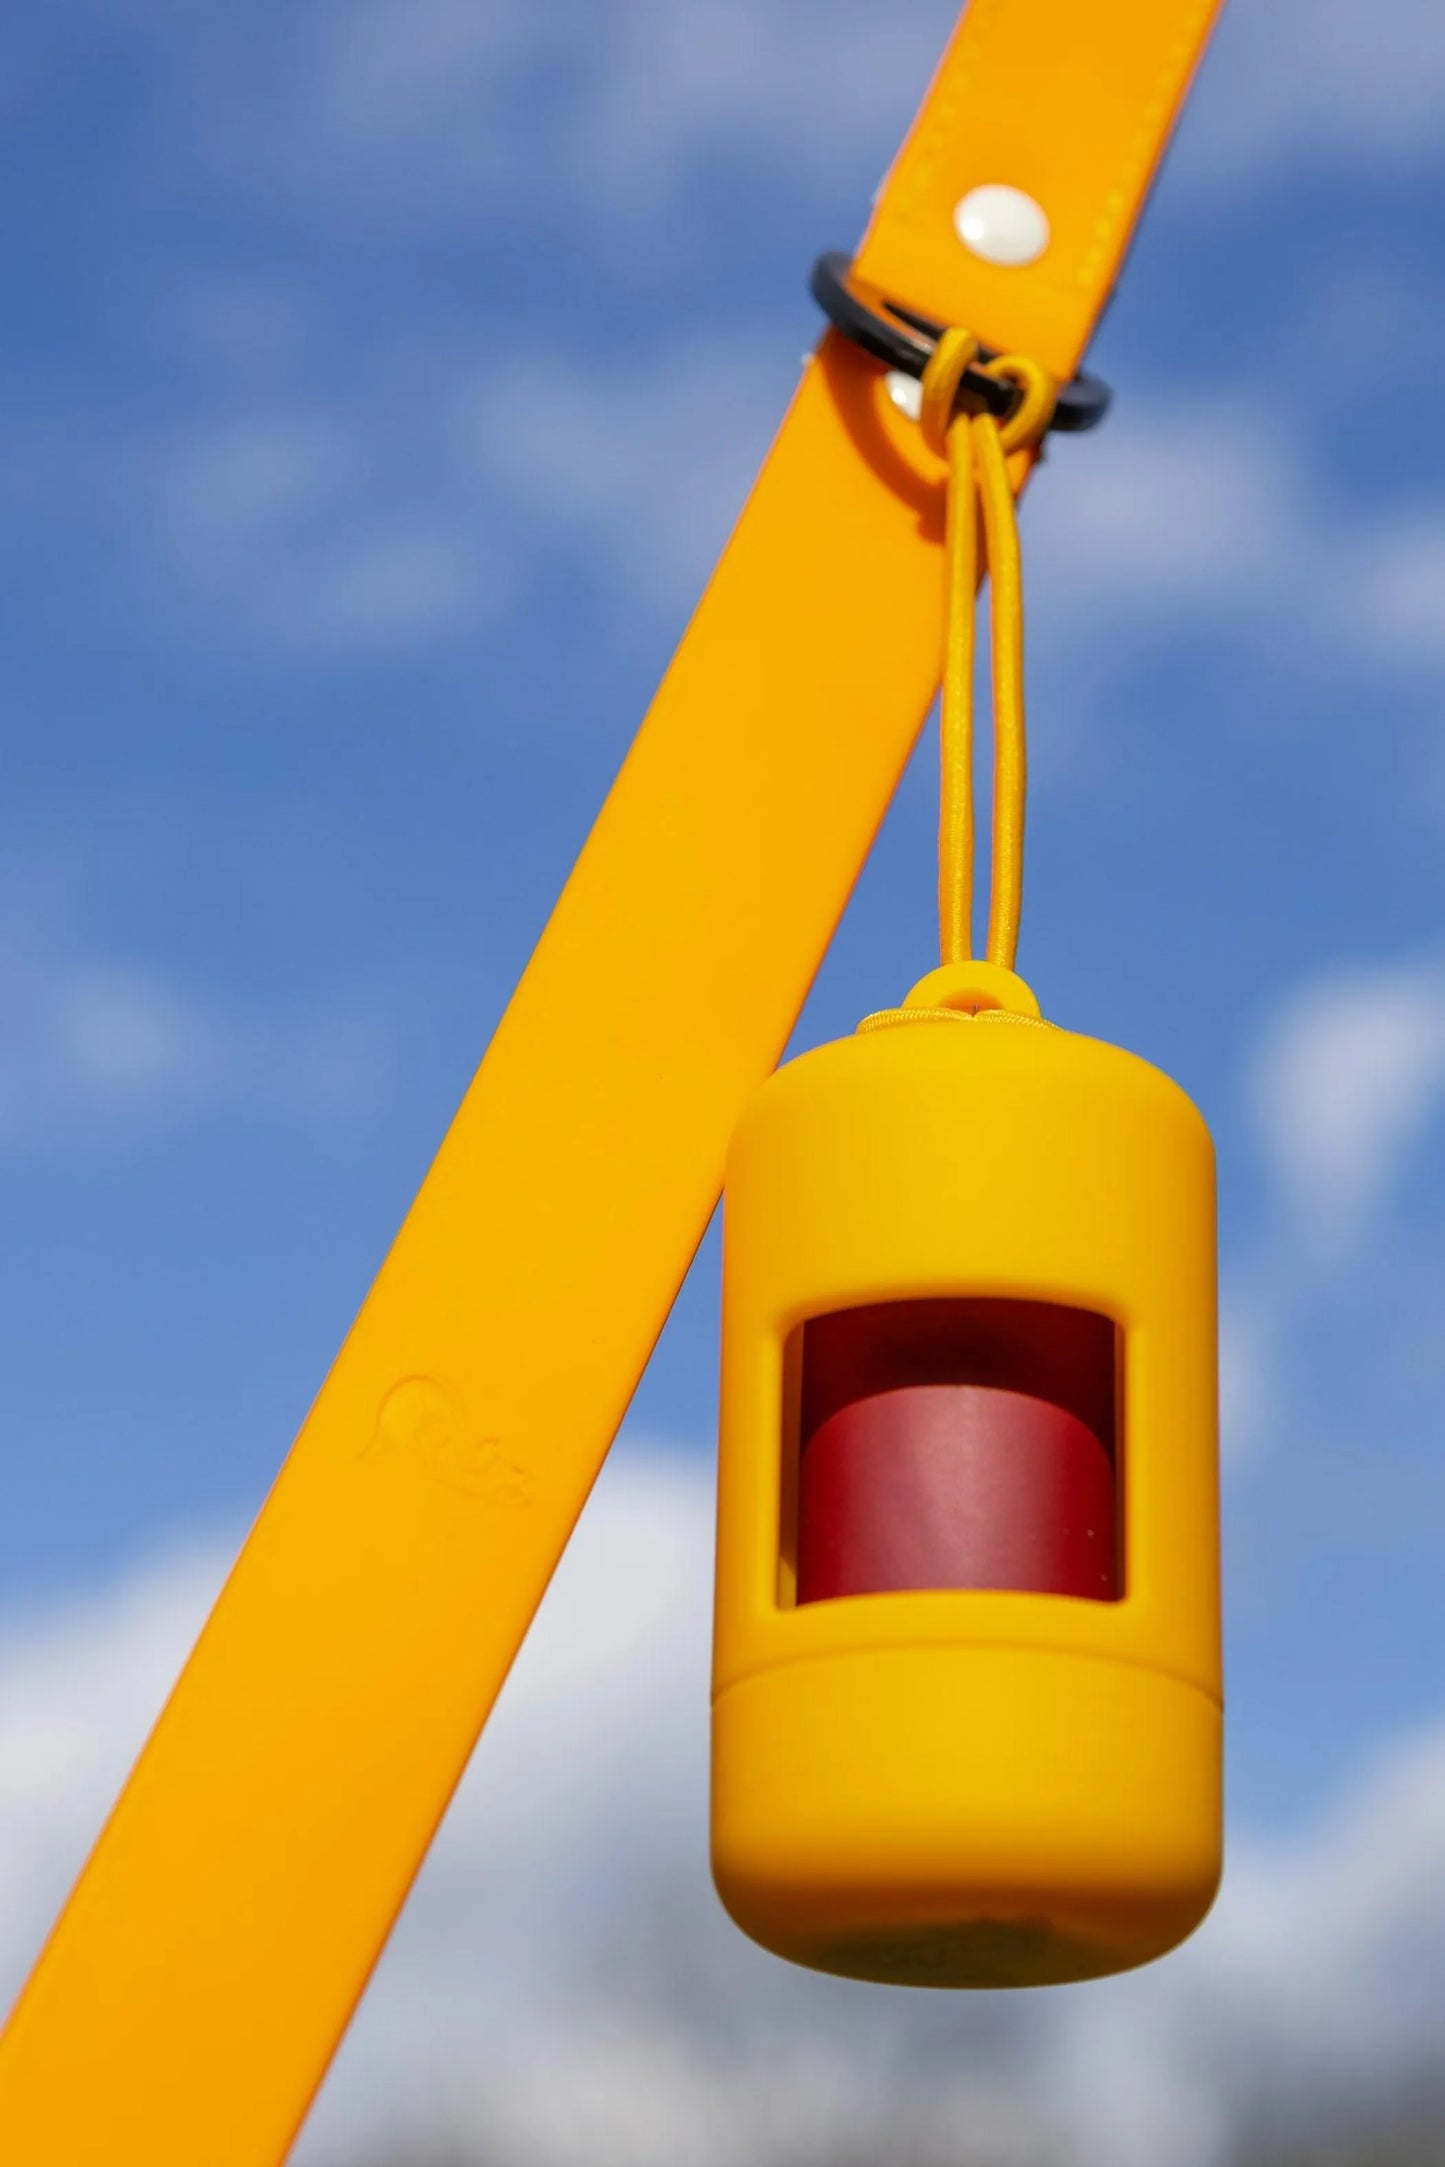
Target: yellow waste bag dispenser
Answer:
[[967, 1712], [967, 1706]]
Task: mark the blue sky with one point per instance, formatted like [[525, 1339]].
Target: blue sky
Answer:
[[378, 384]]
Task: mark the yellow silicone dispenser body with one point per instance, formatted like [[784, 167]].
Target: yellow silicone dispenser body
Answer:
[[967, 1697]]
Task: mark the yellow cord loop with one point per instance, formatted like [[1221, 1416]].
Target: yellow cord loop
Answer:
[[976, 447]]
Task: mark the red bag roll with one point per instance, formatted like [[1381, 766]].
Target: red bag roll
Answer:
[[956, 1486]]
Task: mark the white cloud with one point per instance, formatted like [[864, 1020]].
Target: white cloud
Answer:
[[1401, 590], [647, 467], [1342, 1086], [242, 324], [1187, 513], [1319, 84], [1350, 1071], [241, 475], [398, 108], [399, 584], [404, 104], [121, 1034], [1180, 508], [563, 1987], [318, 530], [1255, 1309], [304, 528], [101, 1043]]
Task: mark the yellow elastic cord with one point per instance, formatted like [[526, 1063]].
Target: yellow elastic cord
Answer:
[[946, 432], [976, 447]]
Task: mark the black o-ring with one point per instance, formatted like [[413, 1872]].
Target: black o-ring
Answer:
[[903, 339]]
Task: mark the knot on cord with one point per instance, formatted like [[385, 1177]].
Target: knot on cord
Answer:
[[948, 364], [945, 392]]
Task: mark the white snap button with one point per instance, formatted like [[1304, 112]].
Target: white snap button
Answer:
[[1001, 224], [906, 393]]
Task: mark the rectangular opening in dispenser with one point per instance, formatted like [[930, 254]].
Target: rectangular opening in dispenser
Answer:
[[954, 1443]]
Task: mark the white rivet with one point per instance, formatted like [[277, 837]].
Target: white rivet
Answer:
[[1001, 224], [906, 393]]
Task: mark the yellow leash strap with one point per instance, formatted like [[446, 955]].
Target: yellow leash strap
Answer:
[[976, 448], [194, 1989]]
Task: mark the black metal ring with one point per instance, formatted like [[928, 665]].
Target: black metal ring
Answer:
[[903, 339]]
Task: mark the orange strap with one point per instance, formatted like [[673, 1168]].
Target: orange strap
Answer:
[[1073, 105], [197, 1983]]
